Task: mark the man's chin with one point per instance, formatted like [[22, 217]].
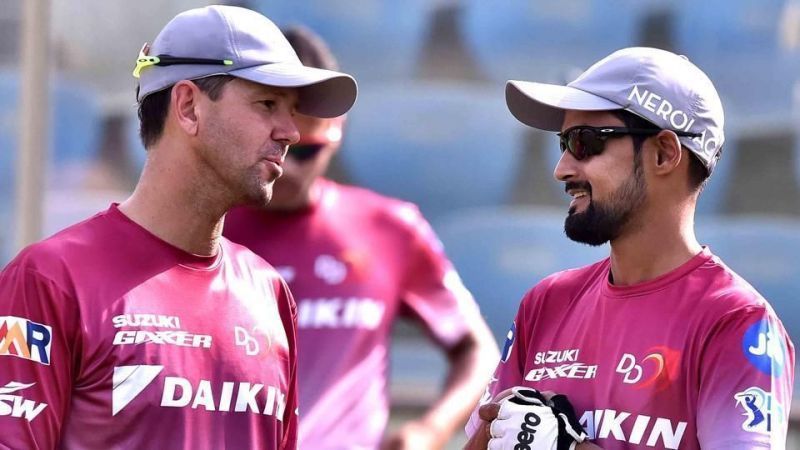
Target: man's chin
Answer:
[[579, 227]]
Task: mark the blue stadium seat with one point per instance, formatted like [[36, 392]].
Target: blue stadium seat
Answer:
[[737, 43], [373, 39], [764, 251], [74, 139], [502, 252], [543, 40], [74, 134], [442, 146]]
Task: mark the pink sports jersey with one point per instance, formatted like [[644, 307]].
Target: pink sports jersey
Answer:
[[693, 359], [111, 338], [354, 261]]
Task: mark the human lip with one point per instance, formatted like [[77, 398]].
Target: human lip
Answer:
[[579, 195], [274, 165]]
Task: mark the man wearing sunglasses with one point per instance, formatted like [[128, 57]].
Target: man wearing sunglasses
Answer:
[[660, 345], [356, 262], [142, 327]]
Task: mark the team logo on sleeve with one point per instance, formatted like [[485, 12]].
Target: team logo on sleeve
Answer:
[[761, 409], [764, 348], [509, 342], [25, 339], [14, 405]]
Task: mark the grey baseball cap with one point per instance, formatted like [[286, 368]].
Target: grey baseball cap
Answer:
[[659, 86], [244, 44]]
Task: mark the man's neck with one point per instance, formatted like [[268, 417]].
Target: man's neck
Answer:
[[655, 247], [177, 210]]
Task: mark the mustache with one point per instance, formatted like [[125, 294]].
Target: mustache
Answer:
[[582, 185]]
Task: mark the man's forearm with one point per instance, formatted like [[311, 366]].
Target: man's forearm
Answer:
[[471, 363]]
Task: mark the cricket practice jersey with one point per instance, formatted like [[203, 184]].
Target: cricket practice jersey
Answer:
[[354, 261], [111, 338], [693, 359]]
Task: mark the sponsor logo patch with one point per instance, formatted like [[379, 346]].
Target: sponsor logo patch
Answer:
[[574, 370], [177, 338], [763, 346], [14, 405], [340, 313], [329, 269], [527, 434], [178, 392], [657, 370], [173, 336], [761, 410], [635, 429], [146, 320], [25, 339], [555, 357], [249, 342]]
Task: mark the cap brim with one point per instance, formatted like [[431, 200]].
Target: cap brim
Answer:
[[543, 105], [322, 93]]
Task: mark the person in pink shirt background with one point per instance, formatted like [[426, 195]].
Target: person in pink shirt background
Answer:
[[142, 327], [356, 262], [661, 345]]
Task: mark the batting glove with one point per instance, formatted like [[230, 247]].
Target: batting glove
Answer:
[[526, 421]]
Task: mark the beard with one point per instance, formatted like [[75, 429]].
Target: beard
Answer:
[[605, 221]]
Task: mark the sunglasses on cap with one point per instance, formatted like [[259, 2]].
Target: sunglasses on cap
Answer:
[[144, 61], [583, 141], [305, 152]]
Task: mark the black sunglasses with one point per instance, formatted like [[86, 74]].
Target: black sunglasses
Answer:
[[305, 152], [584, 141]]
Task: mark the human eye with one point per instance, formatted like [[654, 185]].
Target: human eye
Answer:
[[269, 104]]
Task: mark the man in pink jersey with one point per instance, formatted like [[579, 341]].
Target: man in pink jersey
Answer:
[[357, 261], [660, 345], [142, 327]]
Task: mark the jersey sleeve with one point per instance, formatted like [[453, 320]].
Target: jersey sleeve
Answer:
[[432, 290], [509, 371], [746, 378], [38, 341], [288, 311]]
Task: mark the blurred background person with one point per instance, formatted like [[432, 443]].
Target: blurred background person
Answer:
[[356, 261]]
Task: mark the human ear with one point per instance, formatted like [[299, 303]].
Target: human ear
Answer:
[[184, 106], [667, 152]]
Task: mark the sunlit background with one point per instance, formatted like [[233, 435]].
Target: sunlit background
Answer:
[[431, 126]]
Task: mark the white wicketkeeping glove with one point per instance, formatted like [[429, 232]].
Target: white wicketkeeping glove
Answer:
[[526, 421]]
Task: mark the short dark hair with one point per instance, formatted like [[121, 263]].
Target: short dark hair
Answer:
[[698, 174], [310, 48], [153, 109]]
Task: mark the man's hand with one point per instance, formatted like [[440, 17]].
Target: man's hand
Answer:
[[535, 420], [415, 435]]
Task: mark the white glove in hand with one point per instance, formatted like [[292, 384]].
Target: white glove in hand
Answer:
[[526, 421]]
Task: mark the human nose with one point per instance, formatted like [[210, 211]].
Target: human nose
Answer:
[[566, 167], [285, 130]]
